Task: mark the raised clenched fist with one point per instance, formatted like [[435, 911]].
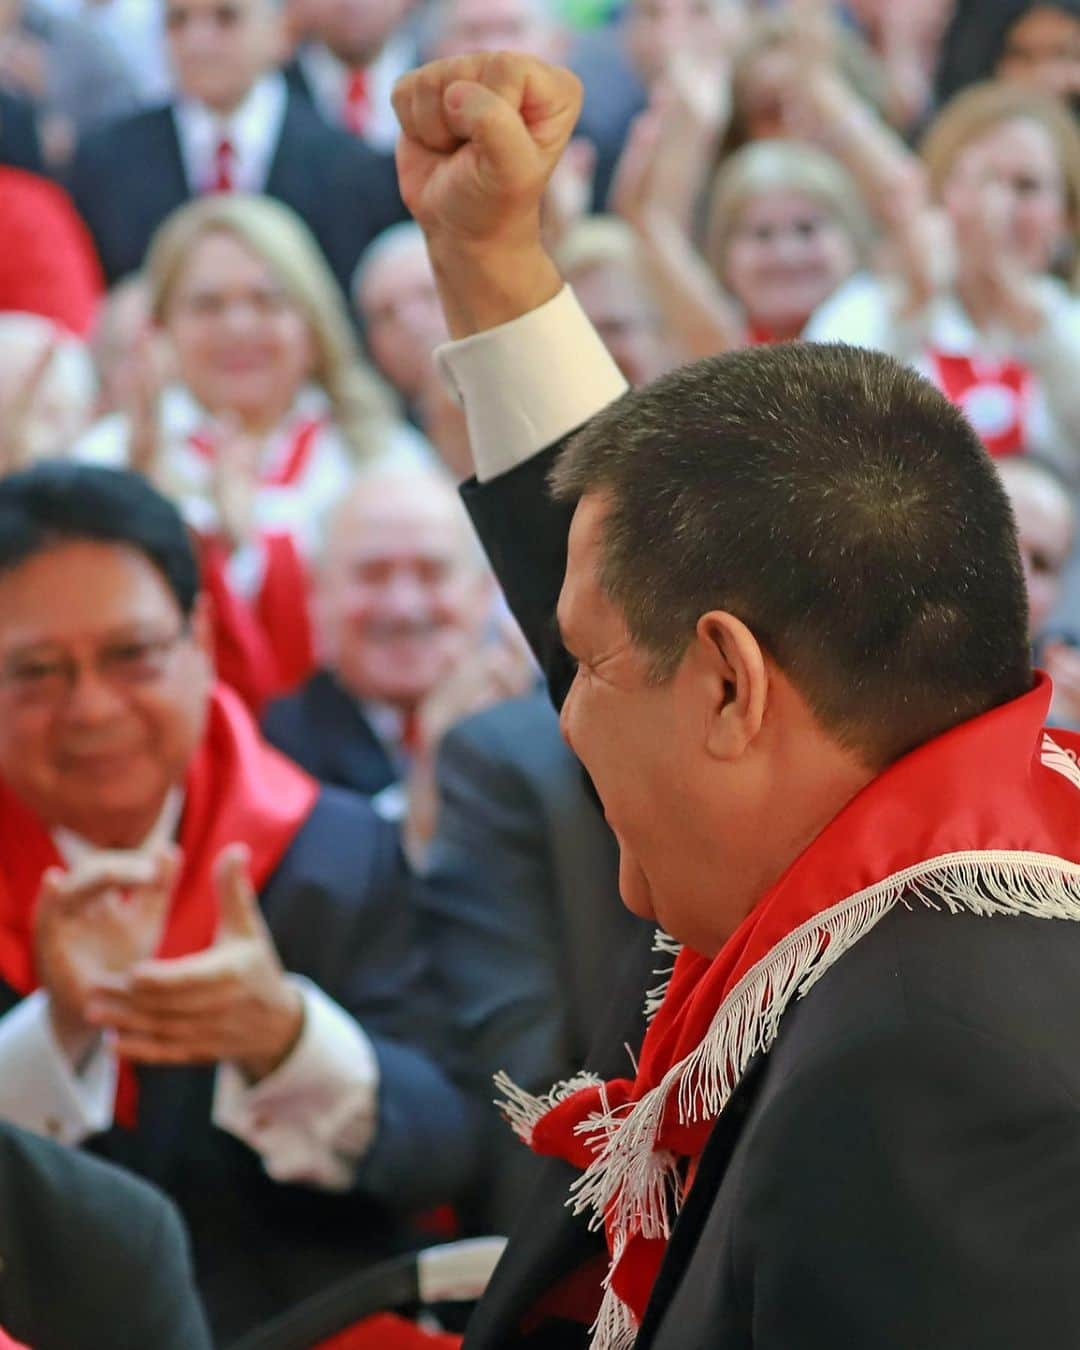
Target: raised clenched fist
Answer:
[[481, 136]]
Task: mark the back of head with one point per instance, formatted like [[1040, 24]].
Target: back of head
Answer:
[[59, 501], [839, 506]]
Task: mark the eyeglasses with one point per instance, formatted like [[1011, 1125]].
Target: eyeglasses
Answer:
[[40, 680]]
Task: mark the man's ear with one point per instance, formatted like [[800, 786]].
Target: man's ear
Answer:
[[737, 675]]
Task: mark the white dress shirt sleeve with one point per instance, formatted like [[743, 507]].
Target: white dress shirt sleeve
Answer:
[[314, 1117], [39, 1088], [528, 383]]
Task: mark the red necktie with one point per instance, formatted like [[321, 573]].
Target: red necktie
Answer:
[[224, 166], [357, 107]]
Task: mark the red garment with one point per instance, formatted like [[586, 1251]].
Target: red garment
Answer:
[[356, 108], [387, 1331], [237, 788], [224, 179], [48, 265], [9, 1343], [997, 790], [286, 468], [266, 648], [995, 396]]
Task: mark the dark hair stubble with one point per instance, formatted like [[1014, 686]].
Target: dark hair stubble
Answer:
[[837, 504]]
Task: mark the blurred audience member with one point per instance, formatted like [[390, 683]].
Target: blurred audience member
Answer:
[[47, 260], [260, 433], [524, 919], [75, 77], [786, 229], [402, 600], [907, 40], [20, 146], [398, 308], [1035, 43], [245, 1025], [354, 53], [46, 390], [113, 1244], [135, 29], [234, 127], [461, 26], [1045, 514], [599, 258], [982, 299]]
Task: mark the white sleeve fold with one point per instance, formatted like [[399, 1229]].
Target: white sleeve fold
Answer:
[[528, 383], [314, 1117], [39, 1088]]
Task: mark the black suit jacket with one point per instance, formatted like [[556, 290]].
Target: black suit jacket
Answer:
[[323, 729], [19, 145], [340, 908], [128, 176], [89, 1256], [523, 914], [898, 1172]]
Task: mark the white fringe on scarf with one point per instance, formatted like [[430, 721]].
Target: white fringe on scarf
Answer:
[[636, 1187]]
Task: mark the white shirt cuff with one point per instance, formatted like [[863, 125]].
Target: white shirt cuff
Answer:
[[528, 383], [314, 1117], [39, 1088]]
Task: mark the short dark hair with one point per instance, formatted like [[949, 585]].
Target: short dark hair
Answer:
[[58, 500], [841, 507]]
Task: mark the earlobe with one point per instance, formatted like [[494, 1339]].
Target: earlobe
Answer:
[[738, 674]]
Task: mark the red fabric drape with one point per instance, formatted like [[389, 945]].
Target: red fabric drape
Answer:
[[48, 265], [237, 789], [387, 1331]]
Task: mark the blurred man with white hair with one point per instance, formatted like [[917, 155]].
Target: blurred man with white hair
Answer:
[[47, 390], [403, 608], [394, 297]]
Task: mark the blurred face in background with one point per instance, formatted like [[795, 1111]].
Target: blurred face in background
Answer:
[[402, 593], [656, 30], [618, 308], [219, 48], [1042, 50], [1010, 176], [496, 25], [1045, 526], [403, 320], [355, 30], [241, 344], [786, 254]]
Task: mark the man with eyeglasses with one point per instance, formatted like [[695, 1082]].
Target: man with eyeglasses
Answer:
[[207, 971]]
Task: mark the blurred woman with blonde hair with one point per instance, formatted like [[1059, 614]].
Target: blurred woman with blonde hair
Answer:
[[269, 414]]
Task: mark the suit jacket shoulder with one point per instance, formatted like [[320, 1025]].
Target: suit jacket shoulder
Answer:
[[112, 1245], [873, 1179]]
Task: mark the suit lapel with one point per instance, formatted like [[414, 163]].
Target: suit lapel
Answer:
[[699, 1203], [351, 752], [289, 178]]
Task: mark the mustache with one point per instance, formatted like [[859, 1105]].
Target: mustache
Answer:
[[386, 630]]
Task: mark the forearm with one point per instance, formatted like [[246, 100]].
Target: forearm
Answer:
[[699, 315]]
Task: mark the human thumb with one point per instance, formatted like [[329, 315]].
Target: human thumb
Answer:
[[237, 905], [477, 114]]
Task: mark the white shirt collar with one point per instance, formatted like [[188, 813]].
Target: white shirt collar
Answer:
[[78, 852], [328, 77], [252, 129]]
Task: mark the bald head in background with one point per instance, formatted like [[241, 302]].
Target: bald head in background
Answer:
[[402, 591]]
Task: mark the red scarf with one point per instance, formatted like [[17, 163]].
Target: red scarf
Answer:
[[995, 396], [264, 648], [237, 789], [997, 785], [289, 465]]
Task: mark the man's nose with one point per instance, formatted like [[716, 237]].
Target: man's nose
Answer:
[[91, 698]]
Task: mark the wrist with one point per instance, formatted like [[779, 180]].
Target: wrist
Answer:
[[284, 1028], [76, 1038], [485, 284]]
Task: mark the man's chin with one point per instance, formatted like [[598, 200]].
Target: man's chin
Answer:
[[634, 888]]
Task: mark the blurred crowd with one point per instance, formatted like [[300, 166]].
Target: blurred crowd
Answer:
[[240, 600]]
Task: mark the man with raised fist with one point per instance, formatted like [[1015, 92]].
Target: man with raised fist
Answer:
[[792, 654]]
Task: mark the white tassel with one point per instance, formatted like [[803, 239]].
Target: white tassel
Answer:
[[522, 1109], [637, 1187], [663, 945]]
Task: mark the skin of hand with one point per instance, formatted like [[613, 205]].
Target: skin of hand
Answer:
[[91, 926], [481, 136], [232, 1002]]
